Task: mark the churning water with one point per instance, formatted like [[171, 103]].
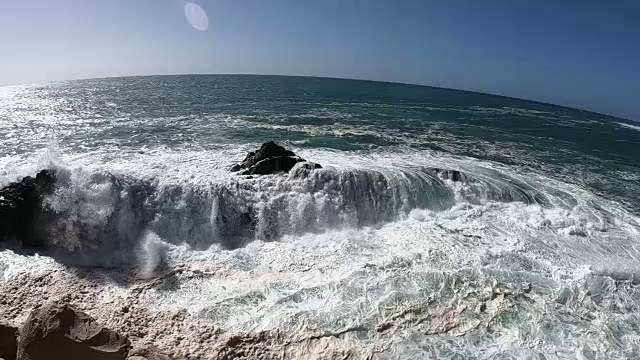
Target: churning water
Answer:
[[535, 254]]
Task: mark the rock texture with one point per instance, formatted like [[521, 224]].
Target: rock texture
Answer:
[[164, 334], [176, 334], [21, 212], [147, 353], [60, 331], [270, 158], [8, 342]]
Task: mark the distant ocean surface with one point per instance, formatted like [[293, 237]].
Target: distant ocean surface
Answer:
[[536, 255]]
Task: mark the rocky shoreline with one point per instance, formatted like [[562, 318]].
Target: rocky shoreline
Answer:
[[63, 314], [69, 314], [123, 327]]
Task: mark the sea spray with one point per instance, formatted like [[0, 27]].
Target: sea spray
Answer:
[[152, 255]]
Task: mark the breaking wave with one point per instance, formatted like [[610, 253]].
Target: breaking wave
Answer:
[[106, 214], [98, 210], [629, 126]]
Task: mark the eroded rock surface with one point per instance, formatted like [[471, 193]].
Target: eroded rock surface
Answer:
[[148, 353], [60, 331]]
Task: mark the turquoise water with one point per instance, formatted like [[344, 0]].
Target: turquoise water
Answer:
[[549, 217]]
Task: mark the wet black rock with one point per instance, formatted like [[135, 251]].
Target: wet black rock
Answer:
[[271, 158], [21, 212]]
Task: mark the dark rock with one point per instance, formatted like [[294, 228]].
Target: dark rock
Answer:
[[147, 353], [21, 211], [310, 165], [271, 158], [272, 165], [8, 342], [60, 331], [453, 175], [267, 150]]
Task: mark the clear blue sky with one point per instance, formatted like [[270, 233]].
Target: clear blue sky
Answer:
[[578, 53]]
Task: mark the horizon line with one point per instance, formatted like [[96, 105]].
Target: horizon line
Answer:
[[331, 78]]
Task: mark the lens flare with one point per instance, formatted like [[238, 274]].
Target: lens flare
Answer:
[[196, 16]]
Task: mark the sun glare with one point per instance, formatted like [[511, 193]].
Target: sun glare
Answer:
[[196, 16]]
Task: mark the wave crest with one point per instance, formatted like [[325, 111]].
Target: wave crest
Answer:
[[98, 212]]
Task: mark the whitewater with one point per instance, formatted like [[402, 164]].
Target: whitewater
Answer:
[[533, 253]]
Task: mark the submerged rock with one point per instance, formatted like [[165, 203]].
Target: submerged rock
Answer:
[[303, 169], [453, 175], [60, 331], [21, 212], [8, 342], [270, 158]]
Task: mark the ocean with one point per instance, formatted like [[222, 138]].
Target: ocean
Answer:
[[534, 255]]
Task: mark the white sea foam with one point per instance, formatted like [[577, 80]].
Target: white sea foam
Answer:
[[503, 229], [634, 127], [152, 254]]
